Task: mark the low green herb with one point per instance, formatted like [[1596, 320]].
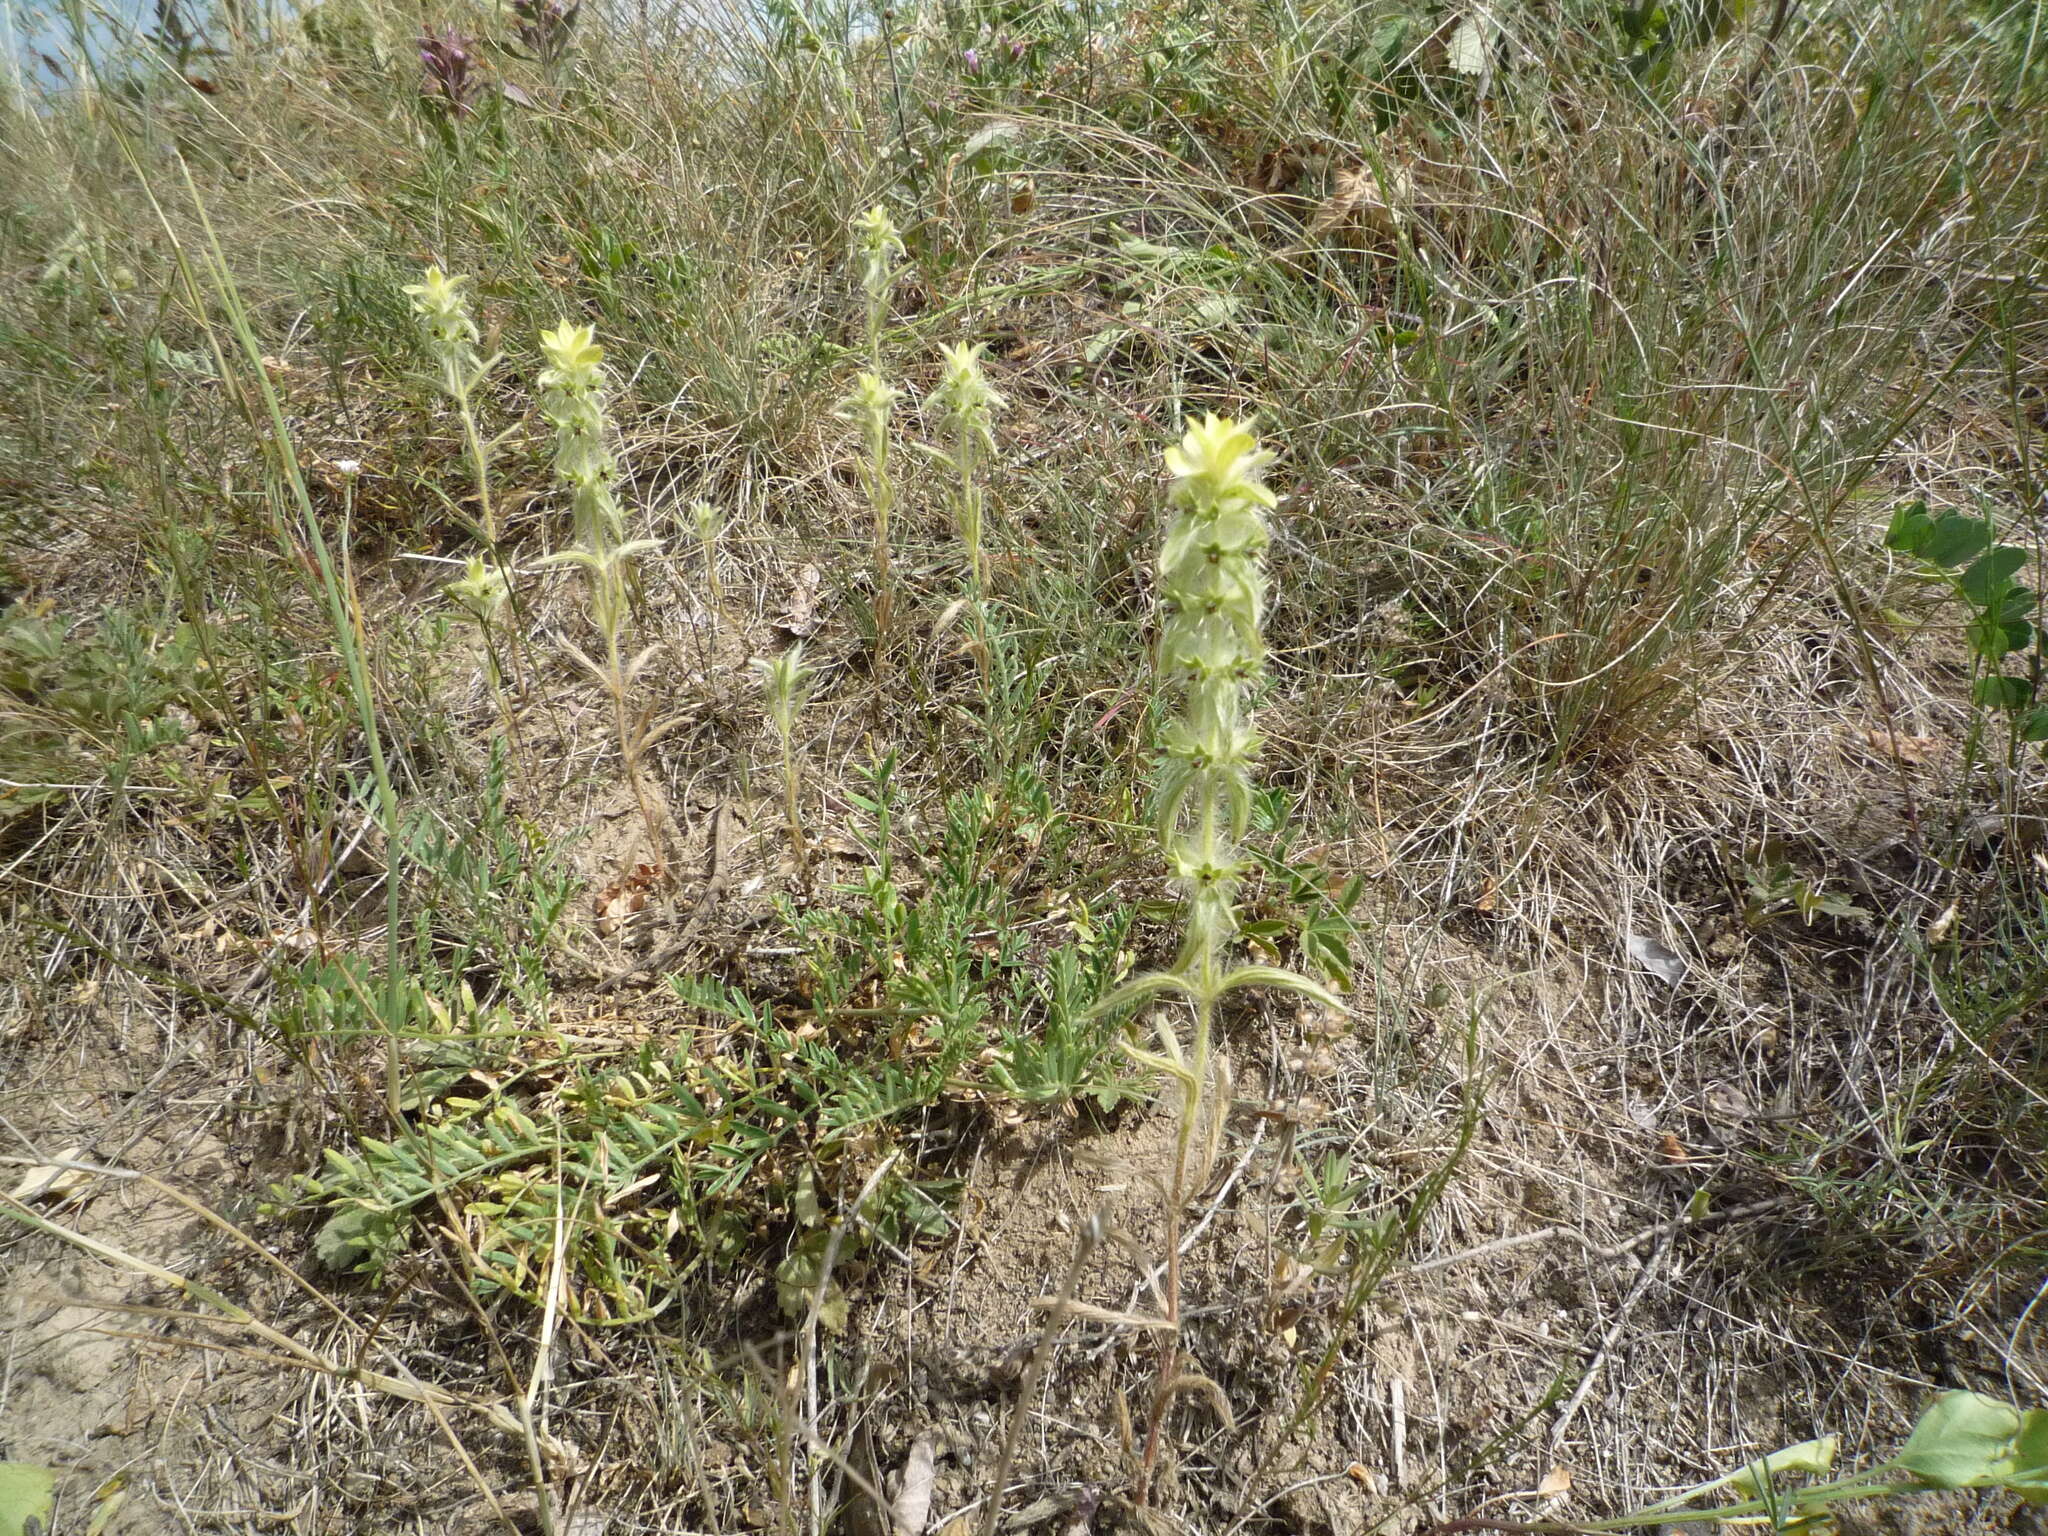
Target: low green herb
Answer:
[[2003, 630]]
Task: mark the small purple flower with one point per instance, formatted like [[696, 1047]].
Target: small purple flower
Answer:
[[1016, 50], [445, 58], [972, 61], [544, 27]]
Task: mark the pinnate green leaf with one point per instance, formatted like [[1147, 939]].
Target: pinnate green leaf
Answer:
[[353, 1236]]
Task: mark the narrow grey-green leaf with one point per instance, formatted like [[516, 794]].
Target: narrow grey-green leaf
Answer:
[[1281, 980], [1140, 989]]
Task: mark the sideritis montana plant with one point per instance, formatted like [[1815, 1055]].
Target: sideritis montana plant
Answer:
[[1212, 586]]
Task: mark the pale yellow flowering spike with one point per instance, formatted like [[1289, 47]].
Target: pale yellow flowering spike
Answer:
[[481, 593], [868, 408], [878, 244], [785, 680], [1217, 465], [964, 392], [438, 297], [573, 357], [442, 310], [872, 397]]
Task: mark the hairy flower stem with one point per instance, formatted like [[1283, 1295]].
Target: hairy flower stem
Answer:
[[876, 245], [798, 849], [449, 332], [785, 681], [441, 310], [965, 444], [1212, 587], [709, 523], [1177, 1198], [967, 403], [481, 597], [868, 408], [629, 743], [969, 515], [573, 399], [480, 463]]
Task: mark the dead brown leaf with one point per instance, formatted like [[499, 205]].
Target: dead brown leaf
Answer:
[[800, 620], [1357, 202], [912, 1510], [1913, 751], [51, 1180]]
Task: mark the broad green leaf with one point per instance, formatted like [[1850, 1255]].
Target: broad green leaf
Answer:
[[1990, 575], [2001, 692], [27, 1495], [1965, 1440], [1957, 540], [1390, 40], [1216, 310], [1002, 131], [1912, 530], [2030, 1457], [2035, 726], [1468, 52]]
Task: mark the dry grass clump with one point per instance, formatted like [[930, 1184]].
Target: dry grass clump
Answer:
[[1689, 909]]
